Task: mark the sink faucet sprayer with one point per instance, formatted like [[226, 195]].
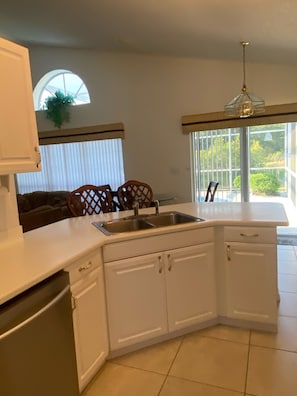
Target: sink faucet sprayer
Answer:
[[157, 204], [136, 208]]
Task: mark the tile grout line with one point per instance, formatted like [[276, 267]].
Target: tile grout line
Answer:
[[173, 360], [162, 386], [274, 348], [247, 363]]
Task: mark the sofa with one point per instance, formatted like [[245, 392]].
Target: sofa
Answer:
[[40, 208]]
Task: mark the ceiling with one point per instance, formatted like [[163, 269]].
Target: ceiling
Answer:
[[194, 28]]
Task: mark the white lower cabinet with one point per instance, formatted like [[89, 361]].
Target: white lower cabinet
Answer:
[[136, 302], [157, 293], [190, 286], [89, 316], [251, 277]]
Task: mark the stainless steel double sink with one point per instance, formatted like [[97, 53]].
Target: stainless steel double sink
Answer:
[[144, 221]]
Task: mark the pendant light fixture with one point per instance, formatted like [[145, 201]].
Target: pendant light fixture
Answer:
[[245, 104]]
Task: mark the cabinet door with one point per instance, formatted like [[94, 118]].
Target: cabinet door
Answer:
[[136, 300], [19, 142], [251, 281], [90, 325], [191, 285]]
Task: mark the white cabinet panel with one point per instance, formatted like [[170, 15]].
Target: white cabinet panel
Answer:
[[89, 316], [191, 286], [250, 234], [156, 243], [251, 282], [150, 295], [136, 300]]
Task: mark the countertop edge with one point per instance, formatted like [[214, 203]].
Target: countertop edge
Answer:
[[52, 248]]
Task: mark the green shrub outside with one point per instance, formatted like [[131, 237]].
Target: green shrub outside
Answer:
[[237, 182], [266, 184]]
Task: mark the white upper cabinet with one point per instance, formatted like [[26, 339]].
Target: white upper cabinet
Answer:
[[19, 151]]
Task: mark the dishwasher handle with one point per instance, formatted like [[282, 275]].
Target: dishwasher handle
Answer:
[[37, 314]]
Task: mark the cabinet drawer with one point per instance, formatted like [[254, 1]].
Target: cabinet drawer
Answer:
[[80, 268], [250, 234]]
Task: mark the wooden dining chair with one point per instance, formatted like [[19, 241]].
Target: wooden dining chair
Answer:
[[89, 199], [135, 191], [211, 190]]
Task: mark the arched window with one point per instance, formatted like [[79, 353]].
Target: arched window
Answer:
[[60, 80]]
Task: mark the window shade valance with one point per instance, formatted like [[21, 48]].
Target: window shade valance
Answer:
[[209, 121], [83, 134]]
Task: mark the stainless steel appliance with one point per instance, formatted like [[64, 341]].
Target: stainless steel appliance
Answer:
[[37, 352]]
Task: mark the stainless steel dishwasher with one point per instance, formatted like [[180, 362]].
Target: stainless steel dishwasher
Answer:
[[37, 352]]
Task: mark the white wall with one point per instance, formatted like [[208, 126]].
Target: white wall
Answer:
[[149, 94]]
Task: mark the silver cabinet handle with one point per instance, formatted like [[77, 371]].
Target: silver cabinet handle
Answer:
[[85, 266], [228, 252], [160, 265], [169, 262], [248, 235], [38, 156], [73, 302]]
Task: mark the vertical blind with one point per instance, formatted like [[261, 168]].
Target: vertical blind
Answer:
[[70, 165], [74, 157]]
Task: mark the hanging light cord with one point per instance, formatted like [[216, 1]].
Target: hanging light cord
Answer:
[[244, 44]]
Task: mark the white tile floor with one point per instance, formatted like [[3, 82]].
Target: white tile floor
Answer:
[[219, 361]]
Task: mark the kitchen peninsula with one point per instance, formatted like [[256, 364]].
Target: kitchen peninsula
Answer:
[[187, 276], [44, 251]]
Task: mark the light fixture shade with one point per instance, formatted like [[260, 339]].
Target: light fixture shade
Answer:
[[245, 104]]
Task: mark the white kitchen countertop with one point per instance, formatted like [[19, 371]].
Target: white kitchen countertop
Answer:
[[46, 250]]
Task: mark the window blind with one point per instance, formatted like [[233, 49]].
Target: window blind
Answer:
[[71, 165]]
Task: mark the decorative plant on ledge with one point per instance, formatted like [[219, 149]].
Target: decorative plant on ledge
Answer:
[[57, 108]]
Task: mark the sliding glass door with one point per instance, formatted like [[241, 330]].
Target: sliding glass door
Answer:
[[249, 163], [267, 165], [216, 156]]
